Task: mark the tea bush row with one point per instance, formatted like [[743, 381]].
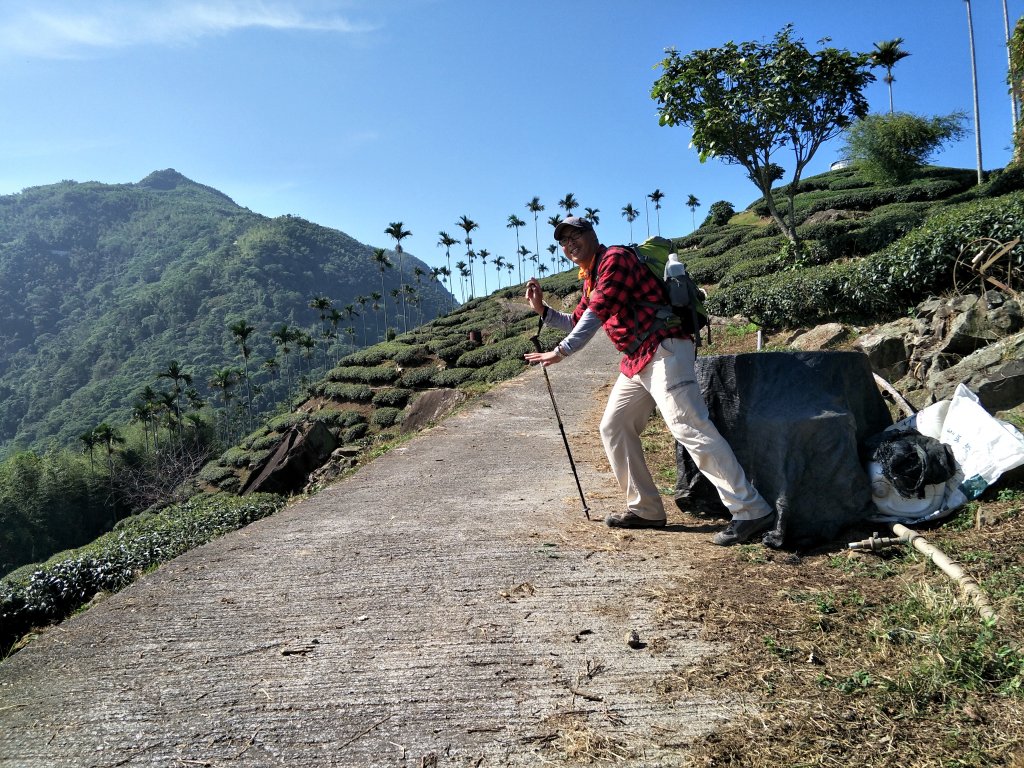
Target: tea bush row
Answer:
[[885, 283], [37, 595]]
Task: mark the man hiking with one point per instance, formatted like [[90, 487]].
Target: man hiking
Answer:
[[621, 295]]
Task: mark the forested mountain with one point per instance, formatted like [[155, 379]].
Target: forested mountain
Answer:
[[101, 285]]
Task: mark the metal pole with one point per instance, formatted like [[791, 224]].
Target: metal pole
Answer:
[[974, 78], [561, 428]]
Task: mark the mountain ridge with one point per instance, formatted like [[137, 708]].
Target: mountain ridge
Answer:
[[102, 284]]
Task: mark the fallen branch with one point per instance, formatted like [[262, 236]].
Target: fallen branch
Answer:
[[897, 398]]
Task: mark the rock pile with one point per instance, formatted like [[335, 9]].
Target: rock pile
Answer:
[[969, 339]]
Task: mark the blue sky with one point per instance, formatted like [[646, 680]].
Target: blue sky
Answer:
[[357, 113]]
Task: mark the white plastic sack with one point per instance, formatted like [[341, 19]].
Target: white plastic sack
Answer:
[[984, 447]]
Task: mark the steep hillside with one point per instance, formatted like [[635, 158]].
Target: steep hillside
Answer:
[[101, 285]]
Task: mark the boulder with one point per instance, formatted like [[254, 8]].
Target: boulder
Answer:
[[887, 348], [820, 337], [431, 406], [977, 340], [995, 374], [302, 449]]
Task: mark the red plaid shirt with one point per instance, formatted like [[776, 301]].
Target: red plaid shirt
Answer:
[[616, 283]]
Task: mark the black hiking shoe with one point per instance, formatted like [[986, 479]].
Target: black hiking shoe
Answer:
[[629, 520], [740, 531]]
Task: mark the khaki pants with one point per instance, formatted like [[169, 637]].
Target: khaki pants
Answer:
[[669, 383]]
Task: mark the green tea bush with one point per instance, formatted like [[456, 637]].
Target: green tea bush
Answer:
[[385, 417], [885, 225], [799, 297], [333, 417], [375, 355], [749, 268], [441, 341], [412, 355], [214, 473], [236, 457], [34, 596], [562, 284], [492, 353], [353, 393], [503, 369], [707, 271], [922, 262], [354, 433], [417, 378], [452, 377], [265, 442], [394, 397], [848, 182], [374, 376], [286, 421], [452, 353], [1007, 180]]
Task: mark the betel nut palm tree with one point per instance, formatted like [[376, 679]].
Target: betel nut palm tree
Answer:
[[241, 331], [656, 197], [693, 204], [630, 213], [886, 54], [468, 225], [380, 258], [514, 222], [568, 203], [535, 207], [446, 240], [397, 232]]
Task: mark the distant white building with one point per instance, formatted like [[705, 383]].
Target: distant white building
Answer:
[[840, 164]]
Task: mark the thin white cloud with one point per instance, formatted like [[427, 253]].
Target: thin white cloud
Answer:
[[71, 30]]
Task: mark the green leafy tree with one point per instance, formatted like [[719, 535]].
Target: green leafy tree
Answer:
[[719, 213], [591, 215], [745, 102], [890, 147], [886, 54]]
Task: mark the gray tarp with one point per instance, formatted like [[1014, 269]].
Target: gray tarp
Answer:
[[797, 422]]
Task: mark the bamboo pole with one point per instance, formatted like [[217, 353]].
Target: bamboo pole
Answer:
[[970, 587]]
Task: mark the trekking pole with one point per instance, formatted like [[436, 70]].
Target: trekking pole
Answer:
[[558, 417]]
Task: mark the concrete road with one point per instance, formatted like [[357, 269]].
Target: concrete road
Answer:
[[447, 605]]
